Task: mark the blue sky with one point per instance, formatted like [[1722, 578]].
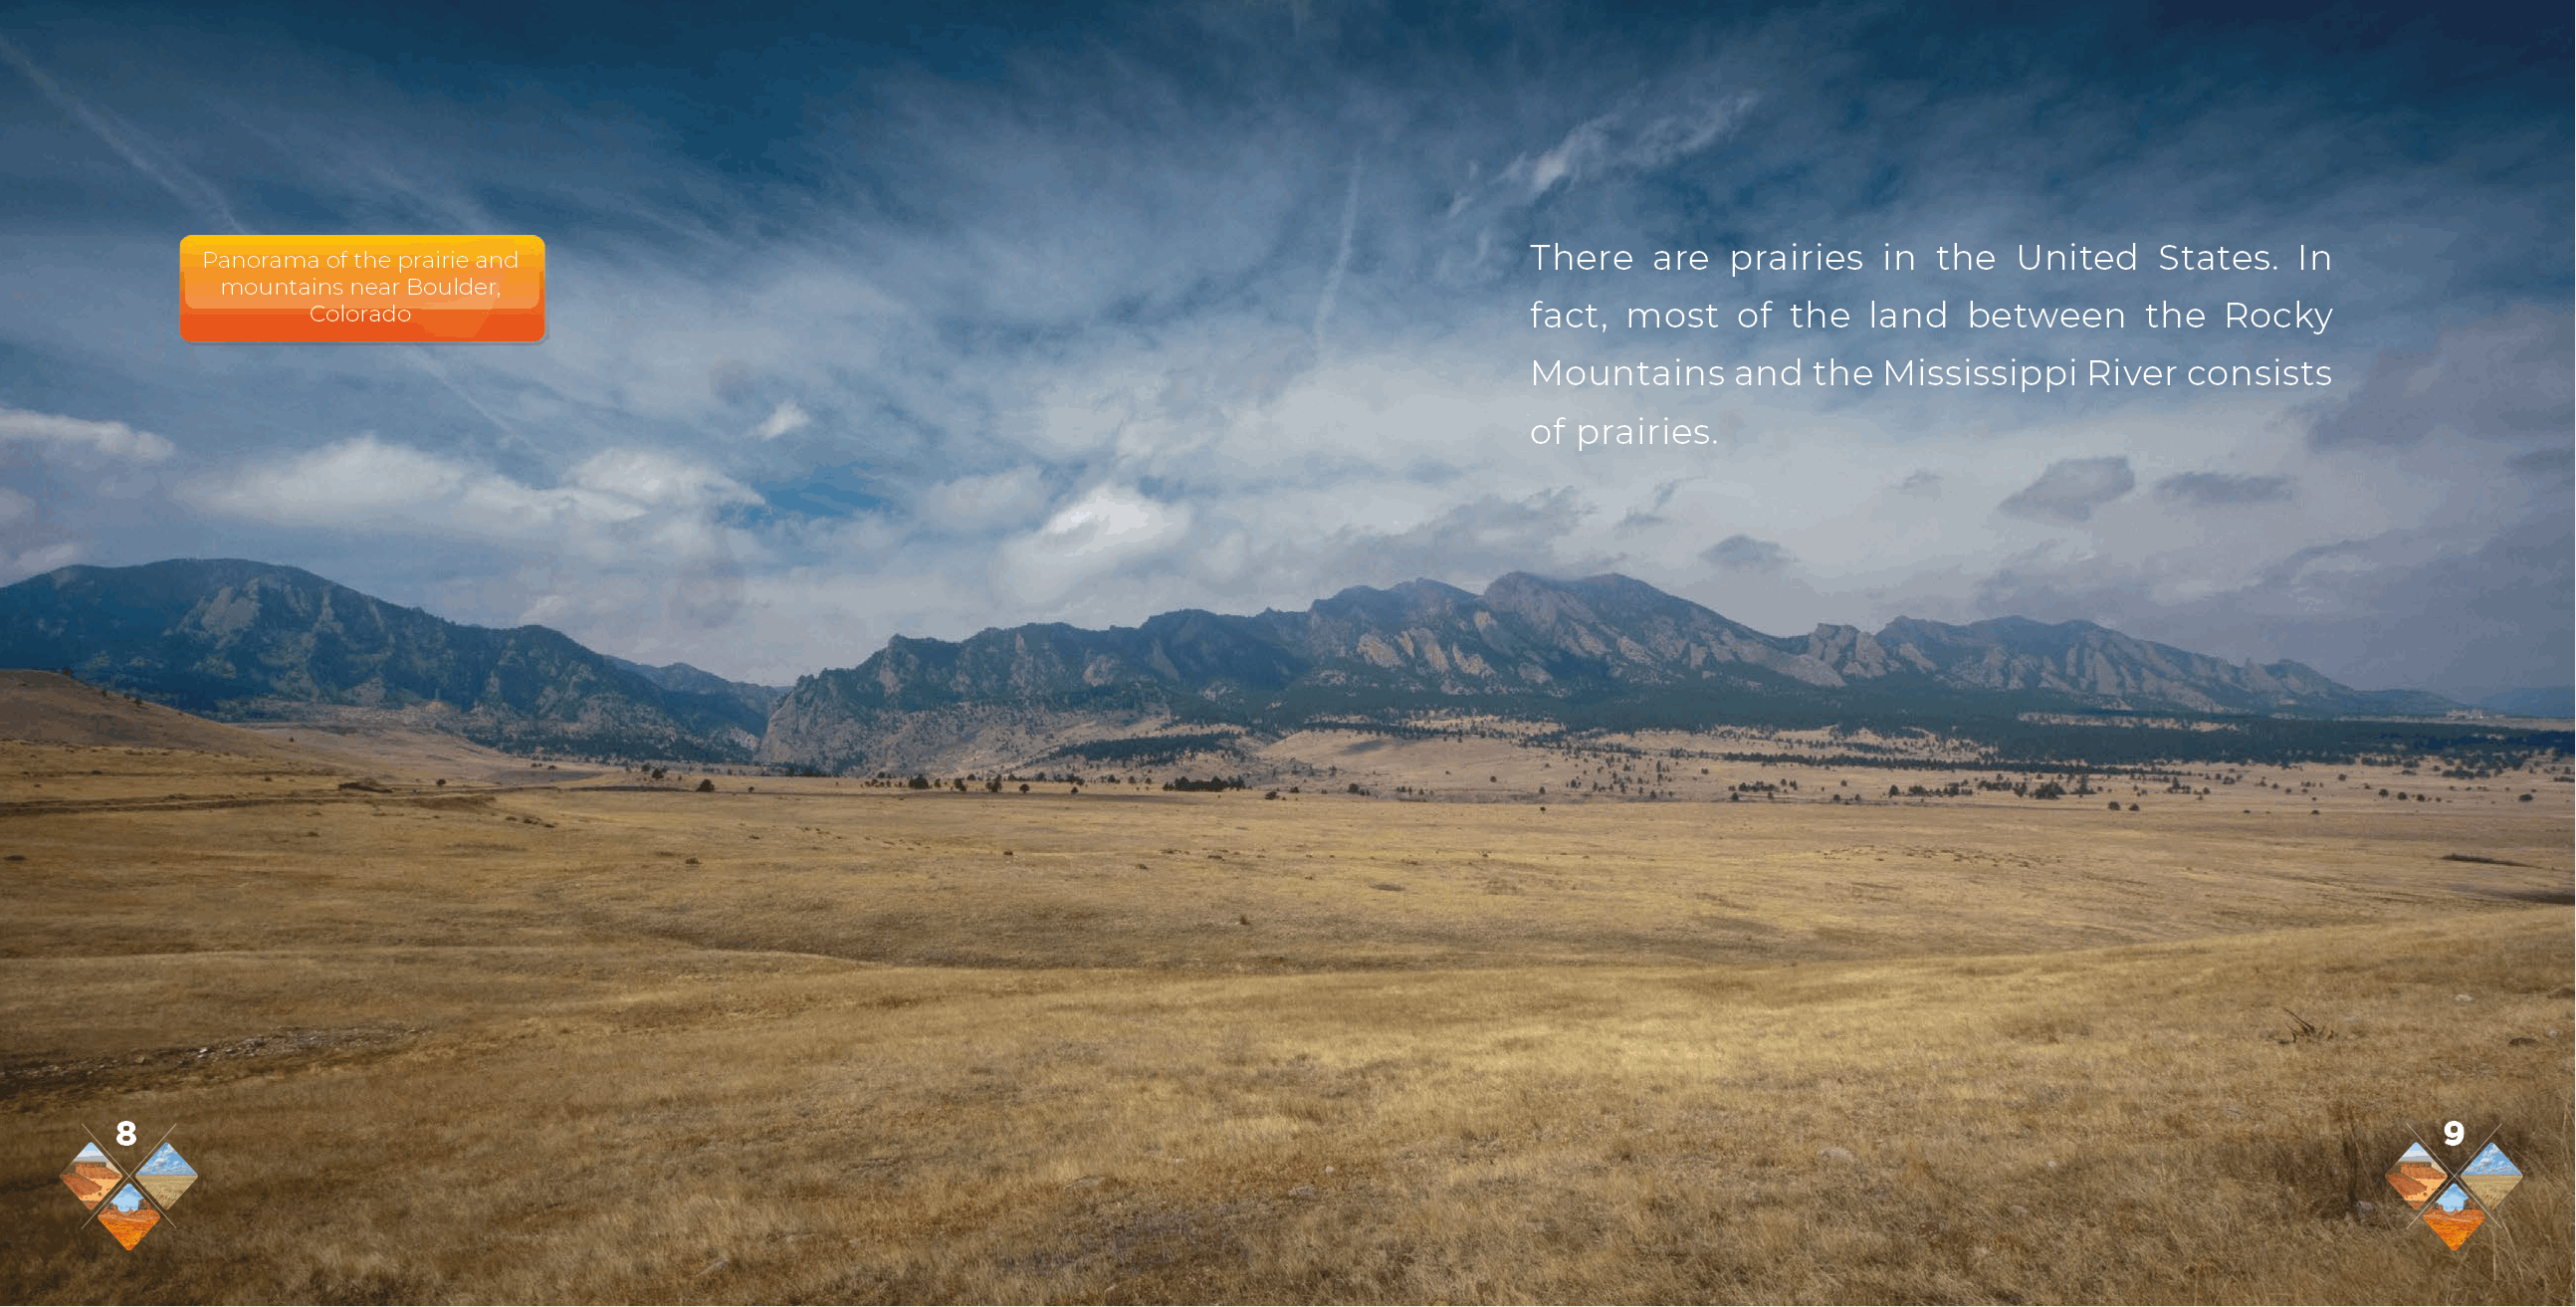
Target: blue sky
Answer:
[[2491, 1161], [862, 326]]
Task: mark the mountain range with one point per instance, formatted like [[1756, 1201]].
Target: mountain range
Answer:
[[1604, 650], [245, 640]]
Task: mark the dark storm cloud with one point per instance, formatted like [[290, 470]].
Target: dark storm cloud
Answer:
[[2502, 378], [1743, 553], [1651, 513], [2222, 489], [2544, 467], [2071, 489]]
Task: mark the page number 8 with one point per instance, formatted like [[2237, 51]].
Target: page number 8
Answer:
[[2452, 1133], [125, 1134]]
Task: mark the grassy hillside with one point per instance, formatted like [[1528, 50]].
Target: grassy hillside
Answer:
[[815, 1040]]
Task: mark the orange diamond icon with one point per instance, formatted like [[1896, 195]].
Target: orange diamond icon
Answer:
[[2453, 1216], [91, 1176], [2416, 1177], [128, 1216]]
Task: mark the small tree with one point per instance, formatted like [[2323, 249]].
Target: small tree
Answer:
[[707, 786]]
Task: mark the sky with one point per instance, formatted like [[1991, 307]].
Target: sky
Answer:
[[2491, 1161], [938, 321]]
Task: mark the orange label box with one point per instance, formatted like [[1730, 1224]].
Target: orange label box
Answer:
[[364, 290]]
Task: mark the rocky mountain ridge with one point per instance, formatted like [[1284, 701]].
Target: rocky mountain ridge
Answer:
[[1527, 644], [246, 640], [239, 640]]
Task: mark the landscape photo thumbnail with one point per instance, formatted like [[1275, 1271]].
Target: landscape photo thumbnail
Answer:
[[91, 1176], [127, 1217], [2416, 1176]]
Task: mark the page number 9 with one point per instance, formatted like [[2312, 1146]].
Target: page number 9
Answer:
[[2452, 1134]]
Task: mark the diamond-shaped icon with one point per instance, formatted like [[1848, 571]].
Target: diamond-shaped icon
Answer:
[[128, 1216], [91, 1176], [2416, 1176], [2490, 1175], [2453, 1217], [165, 1175]]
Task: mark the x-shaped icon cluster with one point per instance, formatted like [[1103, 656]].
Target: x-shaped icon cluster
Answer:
[[129, 1206], [2453, 1207]]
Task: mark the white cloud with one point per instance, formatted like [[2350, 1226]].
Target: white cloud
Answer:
[[112, 439], [788, 416], [1580, 146], [367, 481], [37, 561], [996, 500], [1106, 527], [1599, 145], [649, 479], [350, 481]]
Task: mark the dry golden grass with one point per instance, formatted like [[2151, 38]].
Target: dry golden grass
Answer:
[[818, 1042]]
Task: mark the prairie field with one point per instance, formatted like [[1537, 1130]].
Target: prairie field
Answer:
[[606, 1040]]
